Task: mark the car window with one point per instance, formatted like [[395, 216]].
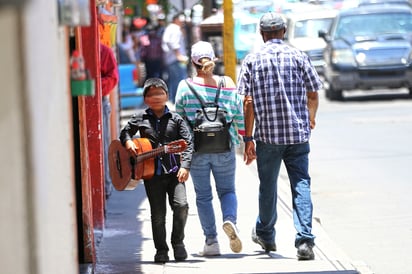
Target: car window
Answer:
[[310, 28], [374, 24]]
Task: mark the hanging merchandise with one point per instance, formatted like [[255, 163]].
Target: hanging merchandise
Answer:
[[78, 70], [80, 82]]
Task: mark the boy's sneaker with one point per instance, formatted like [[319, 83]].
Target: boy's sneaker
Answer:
[[161, 256], [210, 250], [305, 252], [180, 252], [232, 232], [265, 245]]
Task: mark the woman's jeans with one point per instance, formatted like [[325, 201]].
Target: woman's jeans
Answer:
[[223, 167], [156, 190], [295, 158]]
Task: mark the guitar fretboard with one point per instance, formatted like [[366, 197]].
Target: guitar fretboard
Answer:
[[150, 154]]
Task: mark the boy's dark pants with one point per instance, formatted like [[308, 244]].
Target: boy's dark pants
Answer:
[[156, 190]]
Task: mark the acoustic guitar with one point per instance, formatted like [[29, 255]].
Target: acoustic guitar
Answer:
[[127, 170]]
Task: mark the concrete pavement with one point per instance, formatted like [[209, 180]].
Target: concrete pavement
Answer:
[[127, 247]]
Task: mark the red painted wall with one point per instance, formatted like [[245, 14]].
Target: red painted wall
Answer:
[[90, 48]]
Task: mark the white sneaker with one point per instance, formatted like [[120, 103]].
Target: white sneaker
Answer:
[[210, 250], [232, 232]]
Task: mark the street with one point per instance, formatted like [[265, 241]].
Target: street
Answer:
[[360, 166]]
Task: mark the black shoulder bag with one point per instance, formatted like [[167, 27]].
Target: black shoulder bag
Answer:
[[211, 130]]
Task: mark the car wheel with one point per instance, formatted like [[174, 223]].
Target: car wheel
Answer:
[[334, 94], [410, 92]]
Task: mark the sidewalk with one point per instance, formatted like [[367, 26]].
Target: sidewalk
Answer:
[[127, 246]]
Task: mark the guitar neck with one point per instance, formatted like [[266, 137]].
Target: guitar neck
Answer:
[[151, 153]]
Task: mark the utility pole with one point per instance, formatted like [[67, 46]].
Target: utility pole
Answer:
[[229, 54]]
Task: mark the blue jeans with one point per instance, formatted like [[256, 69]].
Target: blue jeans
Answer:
[[176, 72], [106, 142], [295, 158], [223, 167]]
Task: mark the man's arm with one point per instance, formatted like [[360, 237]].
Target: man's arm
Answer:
[[250, 152], [313, 104]]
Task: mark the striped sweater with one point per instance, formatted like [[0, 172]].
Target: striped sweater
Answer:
[[229, 100]]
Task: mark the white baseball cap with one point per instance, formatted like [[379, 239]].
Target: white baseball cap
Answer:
[[201, 50]]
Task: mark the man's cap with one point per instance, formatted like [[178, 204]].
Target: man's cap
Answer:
[[154, 82], [272, 21], [201, 50]]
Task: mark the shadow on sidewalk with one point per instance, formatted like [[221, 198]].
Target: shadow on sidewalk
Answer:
[[119, 250]]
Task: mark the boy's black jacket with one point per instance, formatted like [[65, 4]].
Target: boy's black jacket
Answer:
[[170, 127]]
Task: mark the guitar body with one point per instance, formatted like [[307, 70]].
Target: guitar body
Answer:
[[127, 170], [143, 169]]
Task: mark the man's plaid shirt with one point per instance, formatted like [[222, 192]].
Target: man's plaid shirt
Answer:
[[278, 77]]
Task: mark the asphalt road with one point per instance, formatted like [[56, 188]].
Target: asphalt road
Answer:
[[361, 176]]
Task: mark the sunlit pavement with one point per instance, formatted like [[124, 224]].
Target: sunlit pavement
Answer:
[[127, 246]]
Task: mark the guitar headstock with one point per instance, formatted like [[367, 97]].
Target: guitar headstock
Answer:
[[176, 146]]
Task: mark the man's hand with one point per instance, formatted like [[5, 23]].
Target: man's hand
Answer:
[[250, 152]]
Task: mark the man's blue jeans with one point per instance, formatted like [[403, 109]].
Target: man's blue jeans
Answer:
[[223, 167], [296, 160]]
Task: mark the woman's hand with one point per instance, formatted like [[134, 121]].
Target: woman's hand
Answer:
[[182, 175]]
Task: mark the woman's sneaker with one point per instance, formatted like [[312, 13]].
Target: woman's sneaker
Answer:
[[232, 232], [210, 250]]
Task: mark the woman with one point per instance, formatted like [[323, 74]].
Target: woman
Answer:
[[222, 165]]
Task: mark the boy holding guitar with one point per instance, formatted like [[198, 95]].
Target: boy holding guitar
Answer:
[[161, 126]]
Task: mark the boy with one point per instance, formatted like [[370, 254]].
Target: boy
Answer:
[[161, 126]]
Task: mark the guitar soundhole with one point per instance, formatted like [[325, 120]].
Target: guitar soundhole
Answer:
[[133, 163]]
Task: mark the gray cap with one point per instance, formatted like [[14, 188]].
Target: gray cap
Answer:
[[154, 82], [272, 21]]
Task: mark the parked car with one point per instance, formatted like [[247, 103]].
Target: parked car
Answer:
[[369, 47], [303, 33], [130, 93]]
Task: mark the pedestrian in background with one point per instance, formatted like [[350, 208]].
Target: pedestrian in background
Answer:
[[175, 56], [161, 127], [221, 165], [151, 53], [280, 87], [109, 80]]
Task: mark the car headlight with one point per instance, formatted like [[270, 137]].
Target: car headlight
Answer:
[[343, 57]]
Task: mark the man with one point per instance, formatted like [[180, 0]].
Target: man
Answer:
[[175, 58], [280, 87]]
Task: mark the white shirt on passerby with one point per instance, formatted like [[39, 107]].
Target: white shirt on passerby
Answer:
[[173, 39]]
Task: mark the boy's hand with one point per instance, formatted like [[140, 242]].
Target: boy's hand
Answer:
[[131, 147], [182, 175]]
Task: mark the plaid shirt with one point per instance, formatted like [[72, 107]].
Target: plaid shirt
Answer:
[[278, 77]]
